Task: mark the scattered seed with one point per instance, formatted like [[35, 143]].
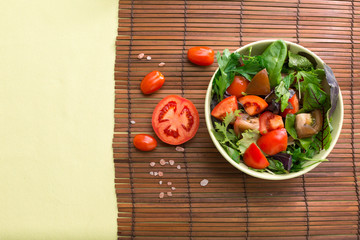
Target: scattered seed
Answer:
[[179, 149], [155, 173], [173, 188], [132, 122], [152, 164], [178, 167], [166, 162], [171, 162], [204, 182], [148, 58], [141, 56], [161, 64], [161, 195], [169, 183], [162, 162], [160, 182], [152, 173], [161, 174], [169, 194]]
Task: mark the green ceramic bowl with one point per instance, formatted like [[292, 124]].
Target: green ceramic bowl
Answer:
[[337, 117]]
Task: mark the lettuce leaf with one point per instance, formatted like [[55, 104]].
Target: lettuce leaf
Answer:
[[299, 62], [248, 137]]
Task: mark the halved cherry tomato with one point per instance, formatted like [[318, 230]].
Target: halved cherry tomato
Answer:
[[203, 56], [273, 142], [254, 158], [238, 86], [145, 142], [175, 120], [259, 84], [152, 82], [269, 122], [294, 101], [253, 104], [228, 105]]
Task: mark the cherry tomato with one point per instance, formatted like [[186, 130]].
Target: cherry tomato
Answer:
[[254, 158], [238, 86], [269, 122], [145, 142], [203, 56], [294, 101], [228, 105], [273, 142], [152, 82], [253, 104], [259, 84], [175, 120]]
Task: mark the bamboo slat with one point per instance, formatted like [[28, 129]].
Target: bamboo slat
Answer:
[[323, 204]]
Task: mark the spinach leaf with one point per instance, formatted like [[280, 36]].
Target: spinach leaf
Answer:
[[274, 57], [314, 98], [233, 153], [227, 62], [299, 62], [304, 78], [248, 137], [290, 125], [283, 95]]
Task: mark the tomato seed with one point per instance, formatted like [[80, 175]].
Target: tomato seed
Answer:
[[132, 122], [162, 162], [155, 173], [180, 149], [173, 188], [141, 56], [160, 182], [161, 64], [148, 58], [204, 182], [152, 164], [161, 174], [169, 183], [171, 162], [161, 195], [178, 167], [151, 173]]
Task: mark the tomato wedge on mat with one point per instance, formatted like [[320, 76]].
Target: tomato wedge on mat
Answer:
[[175, 120]]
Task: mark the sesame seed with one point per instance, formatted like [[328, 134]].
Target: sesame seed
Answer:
[[162, 162], [173, 188], [152, 164], [204, 182], [180, 149], [161, 174], [161, 195], [171, 162], [178, 167], [169, 183], [148, 58], [169, 194], [141, 55], [161, 64]]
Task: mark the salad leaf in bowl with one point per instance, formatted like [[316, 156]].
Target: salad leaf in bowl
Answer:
[[273, 109]]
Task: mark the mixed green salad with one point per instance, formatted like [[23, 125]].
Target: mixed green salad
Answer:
[[271, 111]]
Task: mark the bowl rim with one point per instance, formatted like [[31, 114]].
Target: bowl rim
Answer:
[[241, 166]]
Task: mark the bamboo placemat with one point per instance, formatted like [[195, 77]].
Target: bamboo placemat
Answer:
[[323, 204]]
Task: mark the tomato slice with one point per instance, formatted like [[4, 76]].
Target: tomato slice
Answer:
[[259, 84], [228, 105], [269, 121], [175, 120], [254, 158], [273, 142], [152, 82], [203, 56], [253, 104], [145, 142], [294, 101], [238, 86]]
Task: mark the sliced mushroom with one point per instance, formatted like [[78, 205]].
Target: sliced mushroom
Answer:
[[308, 124], [245, 122]]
